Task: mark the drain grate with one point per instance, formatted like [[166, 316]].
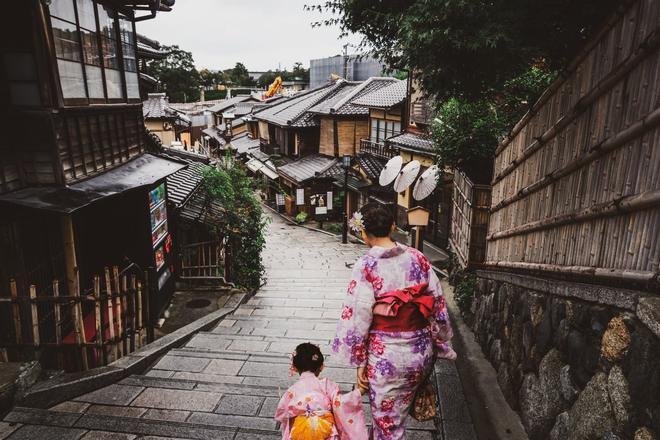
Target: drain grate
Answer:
[[198, 303]]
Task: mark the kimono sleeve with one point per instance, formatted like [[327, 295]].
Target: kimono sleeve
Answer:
[[348, 413], [350, 343], [285, 411], [441, 330]]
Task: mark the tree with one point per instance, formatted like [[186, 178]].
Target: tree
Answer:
[[211, 79], [239, 75], [177, 74], [467, 48]]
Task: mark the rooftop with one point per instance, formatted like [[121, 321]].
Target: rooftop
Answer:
[[157, 107], [307, 167], [385, 97], [243, 143], [343, 102], [224, 104], [412, 142]]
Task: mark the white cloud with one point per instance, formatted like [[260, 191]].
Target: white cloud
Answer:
[[261, 34]]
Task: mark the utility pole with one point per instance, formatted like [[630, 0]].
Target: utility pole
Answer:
[[346, 61]]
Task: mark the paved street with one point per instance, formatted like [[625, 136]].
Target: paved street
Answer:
[[225, 383]]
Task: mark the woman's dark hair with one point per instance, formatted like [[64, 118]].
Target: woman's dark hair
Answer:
[[308, 357], [377, 219]]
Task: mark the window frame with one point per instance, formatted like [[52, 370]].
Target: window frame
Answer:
[[99, 35]]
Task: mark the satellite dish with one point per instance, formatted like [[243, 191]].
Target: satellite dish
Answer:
[[426, 183], [390, 170], [407, 176]]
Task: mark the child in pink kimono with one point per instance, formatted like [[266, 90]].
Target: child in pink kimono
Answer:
[[313, 409]]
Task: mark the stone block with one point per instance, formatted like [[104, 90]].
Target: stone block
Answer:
[[239, 405], [644, 433], [177, 399], [568, 389], [251, 346], [648, 311], [182, 363], [591, 416], [112, 395], [166, 414], [616, 340], [116, 411], [269, 407], [33, 432], [618, 390], [71, 407], [225, 367], [106, 435], [233, 421]]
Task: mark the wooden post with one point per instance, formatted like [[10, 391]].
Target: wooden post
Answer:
[[34, 312], [132, 312], [78, 324], [120, 310], [16, 312], [69, 253], [138, 313], [111, 320], [57, 316], [150, 280], [98, 319]]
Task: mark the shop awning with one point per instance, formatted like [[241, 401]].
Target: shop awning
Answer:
[[143, 171], [254, 165], [270, 173]]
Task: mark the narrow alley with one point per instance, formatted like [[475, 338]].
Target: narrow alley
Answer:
[[225, 383]]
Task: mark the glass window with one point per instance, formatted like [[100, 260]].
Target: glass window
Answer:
[[132, 85], [107, 21], [126, 30], [397, 127], [94, 81], [86, 18], [63, 9], [130, 62], [113, 83], [382, 130], [67, 44], [374, 130], [71, 79], [110, 55], [90, 47]]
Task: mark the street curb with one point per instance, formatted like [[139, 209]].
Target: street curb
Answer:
[[70, 385], [491, 414]]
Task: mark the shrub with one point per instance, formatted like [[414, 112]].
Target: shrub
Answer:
[[301, 217], [335, 228], [464, 292]]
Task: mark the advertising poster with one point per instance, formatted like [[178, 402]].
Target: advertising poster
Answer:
[[300, 196]]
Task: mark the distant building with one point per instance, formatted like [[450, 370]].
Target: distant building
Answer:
[[351, 68]]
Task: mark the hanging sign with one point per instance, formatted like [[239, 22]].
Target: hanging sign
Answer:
[[329, 201], [279, 199], [321, 210], [300, 196]]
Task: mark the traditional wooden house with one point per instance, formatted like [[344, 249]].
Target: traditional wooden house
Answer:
[[74, 168], [568, 293], [148, 49], [163, 121]]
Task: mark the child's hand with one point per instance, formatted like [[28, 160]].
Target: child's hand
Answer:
[[362, 380], [363, 390]]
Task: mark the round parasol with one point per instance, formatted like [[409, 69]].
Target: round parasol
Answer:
[[406, 176], [390, 170], [426, 183]]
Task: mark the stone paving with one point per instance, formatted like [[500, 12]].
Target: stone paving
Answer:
[[225, 383]]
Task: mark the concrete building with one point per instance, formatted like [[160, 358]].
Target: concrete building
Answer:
[[351, 67]]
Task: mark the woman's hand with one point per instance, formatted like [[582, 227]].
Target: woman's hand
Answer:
[[362, 380]]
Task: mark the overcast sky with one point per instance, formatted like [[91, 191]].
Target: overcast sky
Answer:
[[259, 33]]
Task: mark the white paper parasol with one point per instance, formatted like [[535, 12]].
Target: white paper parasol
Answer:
[[426, 183], [390, 170], [406, 176]]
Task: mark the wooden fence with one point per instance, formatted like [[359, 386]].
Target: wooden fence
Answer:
[[205, 260], [576, 190], [469, 220], [77, 330]]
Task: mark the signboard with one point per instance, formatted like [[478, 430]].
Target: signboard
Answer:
[[321, 210], [157, 195], [329, 201], [279, 199], [300, 196]]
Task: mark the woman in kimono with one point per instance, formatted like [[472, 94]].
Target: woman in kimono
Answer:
[[313, 408], [394, 322]]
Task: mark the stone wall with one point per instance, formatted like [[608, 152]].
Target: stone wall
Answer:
[[576, 361]]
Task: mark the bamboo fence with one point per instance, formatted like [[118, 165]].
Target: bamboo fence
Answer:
[[577, 183], [469, 220], [77, 330]]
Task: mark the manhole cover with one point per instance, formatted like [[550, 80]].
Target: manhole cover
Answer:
[[198, 303]]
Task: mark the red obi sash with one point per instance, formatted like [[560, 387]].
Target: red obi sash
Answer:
[[403, 310]]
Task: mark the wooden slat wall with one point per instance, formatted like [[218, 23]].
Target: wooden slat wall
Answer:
[[577, 186], [93, 140]]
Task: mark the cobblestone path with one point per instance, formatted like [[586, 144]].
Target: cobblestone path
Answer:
[[225, 383]]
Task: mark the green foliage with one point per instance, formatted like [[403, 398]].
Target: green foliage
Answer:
[[464, 292], [301, 217], [177, 75], [465, 48], [238, 76], [335, 228], [467, 132], [297, 74], [242, 222], [215, 94]]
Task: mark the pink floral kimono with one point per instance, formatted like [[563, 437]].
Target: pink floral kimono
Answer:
[[398, 357], [314, 397]]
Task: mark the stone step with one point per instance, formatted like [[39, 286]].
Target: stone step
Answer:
[[202, 426]]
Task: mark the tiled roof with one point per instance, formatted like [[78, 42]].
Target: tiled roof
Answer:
[[343, 102], [307, 167], [412, 142], [385, 97], [215, 134], [182, 184], [293, 111], [371, 165], [243, 108], [146, 51], [226, 104], [157, 107], [243, 143]]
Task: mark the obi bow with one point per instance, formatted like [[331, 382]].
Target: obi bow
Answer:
[[389, 303]]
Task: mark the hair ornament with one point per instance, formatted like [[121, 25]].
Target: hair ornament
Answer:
[[315, 357], [356, 223]]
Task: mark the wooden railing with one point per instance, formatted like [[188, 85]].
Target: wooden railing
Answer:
[[421, 112], [78, 330], [204, 260], [378, 149]]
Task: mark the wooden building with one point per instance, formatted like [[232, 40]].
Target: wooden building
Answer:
[[74, 167], [569, 287]]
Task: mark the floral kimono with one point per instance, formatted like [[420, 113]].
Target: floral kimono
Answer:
[[313, 409], [398, 355]]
